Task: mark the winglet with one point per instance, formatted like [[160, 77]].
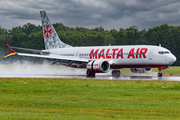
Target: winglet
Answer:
[[12, 51]]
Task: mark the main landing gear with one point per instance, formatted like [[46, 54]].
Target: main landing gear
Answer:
[[116, 73], [90, 74]]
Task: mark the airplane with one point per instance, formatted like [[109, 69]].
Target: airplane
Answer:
[[99, 59]]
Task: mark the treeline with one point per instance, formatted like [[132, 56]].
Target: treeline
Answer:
[[31, 36]]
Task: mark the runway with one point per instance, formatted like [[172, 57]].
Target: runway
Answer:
[[48, 71], [105, 77]]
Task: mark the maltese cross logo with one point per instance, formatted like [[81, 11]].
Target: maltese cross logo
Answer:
[[47, 31]]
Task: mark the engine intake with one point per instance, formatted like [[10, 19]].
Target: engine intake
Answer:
[[98, 66], [141, 70]]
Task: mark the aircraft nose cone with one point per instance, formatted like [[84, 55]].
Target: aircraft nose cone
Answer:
[[173, 59]]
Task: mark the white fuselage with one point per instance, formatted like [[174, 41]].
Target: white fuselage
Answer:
[[131, 56]]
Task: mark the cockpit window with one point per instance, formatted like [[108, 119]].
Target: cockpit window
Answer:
[[164, 52]]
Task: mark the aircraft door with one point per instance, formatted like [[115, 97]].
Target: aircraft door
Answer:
[[77, 54], [151, 54]]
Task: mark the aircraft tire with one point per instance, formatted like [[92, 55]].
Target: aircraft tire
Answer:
[[116, 73], [90, 74], [159, 74]]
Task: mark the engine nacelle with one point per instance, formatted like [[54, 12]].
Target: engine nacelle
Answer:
[[141, 70], [98, 66]]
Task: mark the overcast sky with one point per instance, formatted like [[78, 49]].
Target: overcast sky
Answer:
[[110, 14]]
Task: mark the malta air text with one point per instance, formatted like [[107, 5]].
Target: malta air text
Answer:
[[117, 53]]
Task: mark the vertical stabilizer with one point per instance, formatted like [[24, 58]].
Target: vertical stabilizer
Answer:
[[51, 39]]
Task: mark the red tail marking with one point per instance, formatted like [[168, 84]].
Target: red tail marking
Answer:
[[47, 31]]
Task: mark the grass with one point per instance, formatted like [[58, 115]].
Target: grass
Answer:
[[51, 98]]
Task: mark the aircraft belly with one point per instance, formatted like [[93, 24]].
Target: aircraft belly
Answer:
[[136, 63]]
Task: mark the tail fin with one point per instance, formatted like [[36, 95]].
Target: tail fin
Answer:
[[51, 39]]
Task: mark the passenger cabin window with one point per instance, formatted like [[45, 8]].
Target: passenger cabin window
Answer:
[[164, 52]]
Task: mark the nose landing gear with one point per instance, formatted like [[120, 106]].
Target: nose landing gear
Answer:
[[159, 74]]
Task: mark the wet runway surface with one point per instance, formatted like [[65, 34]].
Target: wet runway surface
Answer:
[[48, 71], [107, 77]]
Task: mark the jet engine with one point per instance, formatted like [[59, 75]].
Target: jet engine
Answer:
[[98, 66], [141, 70]]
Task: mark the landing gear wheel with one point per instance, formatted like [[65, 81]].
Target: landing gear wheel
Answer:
[[113, 73], [116, 73], [159, 74], [90, 74]]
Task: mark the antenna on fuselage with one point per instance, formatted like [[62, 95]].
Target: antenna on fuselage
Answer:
[[159, 45]]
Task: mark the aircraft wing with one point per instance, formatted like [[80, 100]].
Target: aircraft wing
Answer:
[[32, 50], [53, 57], [56, 58]]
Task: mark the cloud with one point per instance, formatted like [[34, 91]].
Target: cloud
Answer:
[[91, 13]]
